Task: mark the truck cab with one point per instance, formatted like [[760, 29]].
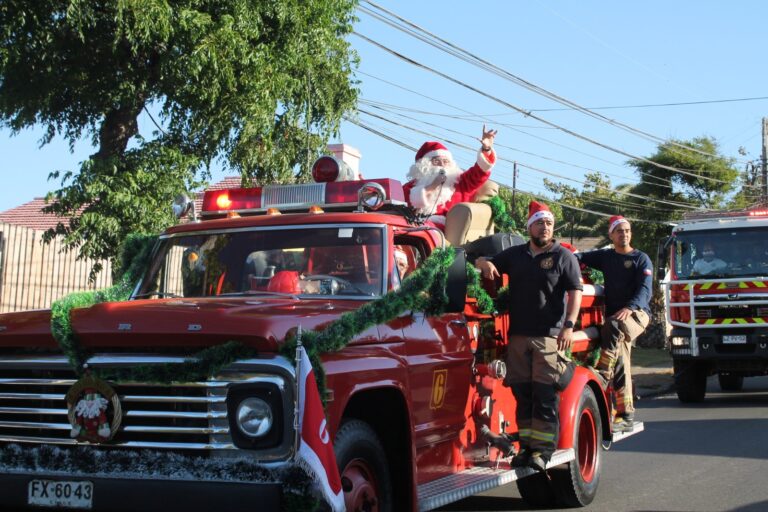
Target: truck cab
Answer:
[[716, 297]]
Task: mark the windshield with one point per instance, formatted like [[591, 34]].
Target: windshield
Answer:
[[342, 261], [721, 253]]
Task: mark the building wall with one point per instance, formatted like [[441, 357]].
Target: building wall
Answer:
[[34, 274]]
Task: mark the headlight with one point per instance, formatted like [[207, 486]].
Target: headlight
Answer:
[[254, 417], [680, 341]]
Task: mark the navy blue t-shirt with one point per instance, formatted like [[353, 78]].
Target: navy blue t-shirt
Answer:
[[538, 285], [628, 278]]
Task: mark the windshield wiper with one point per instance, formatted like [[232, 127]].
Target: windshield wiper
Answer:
[[159, 294]]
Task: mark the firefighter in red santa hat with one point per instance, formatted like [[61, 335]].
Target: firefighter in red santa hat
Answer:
[[437, 182]]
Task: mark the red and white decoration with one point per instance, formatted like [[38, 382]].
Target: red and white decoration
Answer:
[[315, 452], [614, 222], [536, 211], [425, 192]]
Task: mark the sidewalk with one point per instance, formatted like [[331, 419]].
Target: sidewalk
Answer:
[[651, 371]]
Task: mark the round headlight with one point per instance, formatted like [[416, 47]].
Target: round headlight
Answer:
[[254, 417]]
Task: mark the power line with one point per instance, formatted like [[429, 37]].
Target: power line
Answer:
[[543, 171], [465, 55], [661, 181], [533, 116], [653, 105]]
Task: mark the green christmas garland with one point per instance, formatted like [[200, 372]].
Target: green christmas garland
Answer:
[[501, 219]]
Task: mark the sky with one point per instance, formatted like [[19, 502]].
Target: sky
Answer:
[[594, 54]]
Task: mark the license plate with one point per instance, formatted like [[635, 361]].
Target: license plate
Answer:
[[735, 338], [60, 493]]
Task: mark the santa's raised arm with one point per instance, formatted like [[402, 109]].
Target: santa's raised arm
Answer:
[[437, 182]]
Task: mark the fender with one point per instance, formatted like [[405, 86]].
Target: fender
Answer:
[[569, 404]]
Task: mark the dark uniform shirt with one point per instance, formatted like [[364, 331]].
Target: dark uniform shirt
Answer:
[[538, 285], [628, 278]]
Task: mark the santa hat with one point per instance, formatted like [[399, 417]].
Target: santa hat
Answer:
[[614, 221], [536, 211], [432, 149]]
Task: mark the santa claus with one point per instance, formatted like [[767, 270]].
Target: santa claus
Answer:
[[437, 182]]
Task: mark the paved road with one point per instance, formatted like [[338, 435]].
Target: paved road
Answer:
[[698, 457]]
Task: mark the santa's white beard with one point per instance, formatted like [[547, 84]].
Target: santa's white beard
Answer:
[[424, 201]]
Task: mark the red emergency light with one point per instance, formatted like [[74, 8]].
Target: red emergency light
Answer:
[[758, 213], [337, 195]]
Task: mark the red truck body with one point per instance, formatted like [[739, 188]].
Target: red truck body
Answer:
[[409, 399]]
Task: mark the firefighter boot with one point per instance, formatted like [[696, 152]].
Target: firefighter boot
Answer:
[[624, 422], [522, 459], [538, 461]]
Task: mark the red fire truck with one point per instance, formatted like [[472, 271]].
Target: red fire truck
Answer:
[[415, 405], [716, 293]]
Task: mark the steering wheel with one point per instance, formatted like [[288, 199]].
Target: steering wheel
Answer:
[[343, 283]]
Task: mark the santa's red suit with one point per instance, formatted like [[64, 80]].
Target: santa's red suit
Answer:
[[458, 187]]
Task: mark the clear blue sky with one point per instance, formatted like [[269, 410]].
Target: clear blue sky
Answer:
[[595, 54]]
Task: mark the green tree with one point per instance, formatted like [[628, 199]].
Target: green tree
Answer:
[[257, 85], [705, 182]]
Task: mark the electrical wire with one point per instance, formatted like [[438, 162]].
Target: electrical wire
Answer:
[[533, 116], [463, 54]]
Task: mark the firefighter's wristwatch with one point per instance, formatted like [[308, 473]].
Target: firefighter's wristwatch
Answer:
[[568, 324]]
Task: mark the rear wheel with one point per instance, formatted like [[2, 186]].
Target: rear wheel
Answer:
[[363, 467], [576, 482], [729, 382], [690, 380]]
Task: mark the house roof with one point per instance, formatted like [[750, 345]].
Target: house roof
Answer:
[[30, 214]]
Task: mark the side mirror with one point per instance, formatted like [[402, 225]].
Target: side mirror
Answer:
[[456, 284], [183, 205], [661, 257]]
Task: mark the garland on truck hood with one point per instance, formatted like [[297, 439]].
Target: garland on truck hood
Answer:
[[423, 290]]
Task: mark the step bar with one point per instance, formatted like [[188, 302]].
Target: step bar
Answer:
[[478, 479]]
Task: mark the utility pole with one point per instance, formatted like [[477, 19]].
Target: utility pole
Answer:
[[514, 178], [764, 187]]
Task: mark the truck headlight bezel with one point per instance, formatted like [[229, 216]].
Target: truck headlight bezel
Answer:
[[239, 398]]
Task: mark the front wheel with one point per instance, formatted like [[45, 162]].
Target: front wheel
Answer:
[[730, 382], [363, 467], [690, 380], [576, 482]]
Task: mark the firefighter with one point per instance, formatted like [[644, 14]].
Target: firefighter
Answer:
[[540, 330], [628, 286]]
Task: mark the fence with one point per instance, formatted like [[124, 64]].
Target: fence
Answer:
[[34, 274]]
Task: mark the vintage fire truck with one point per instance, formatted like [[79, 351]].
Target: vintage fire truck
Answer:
[[416, 406], [716, 292]]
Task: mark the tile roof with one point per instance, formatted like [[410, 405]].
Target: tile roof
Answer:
[[30, 214]]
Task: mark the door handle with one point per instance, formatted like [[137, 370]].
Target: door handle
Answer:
[[461, 323]]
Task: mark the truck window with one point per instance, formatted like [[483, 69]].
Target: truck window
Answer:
[[341, 261], [722, 253]]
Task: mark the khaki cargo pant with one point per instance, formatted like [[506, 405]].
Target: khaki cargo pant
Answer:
[[535, 369], [617, 337]]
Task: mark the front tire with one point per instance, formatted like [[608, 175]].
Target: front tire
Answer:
[[363, 468], [690, 380], [576, 482], [730, 382]]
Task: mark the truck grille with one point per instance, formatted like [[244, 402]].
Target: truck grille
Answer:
[[179, 416]]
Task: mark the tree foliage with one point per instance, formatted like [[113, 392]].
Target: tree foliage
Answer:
[[706, 182], [259, 85]]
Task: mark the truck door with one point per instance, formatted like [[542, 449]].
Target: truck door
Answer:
[[438, 360]]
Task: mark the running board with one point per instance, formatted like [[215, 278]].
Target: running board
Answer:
[[478, 479], [636, 429]]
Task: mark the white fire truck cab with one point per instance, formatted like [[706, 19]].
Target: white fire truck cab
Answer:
[[715, 279]]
